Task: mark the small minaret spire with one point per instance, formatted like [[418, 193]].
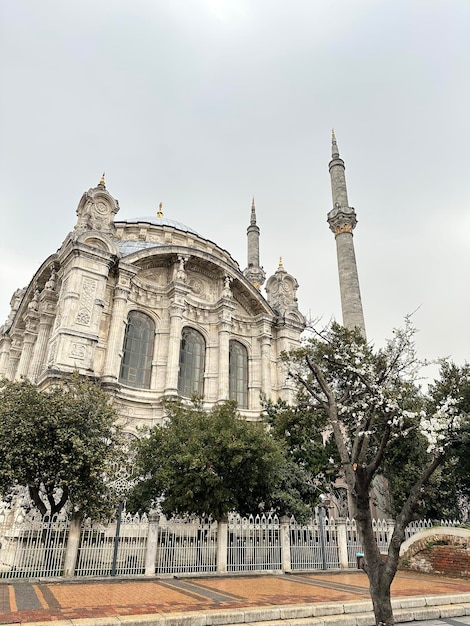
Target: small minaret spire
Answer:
[[254, 272], [334, 145], [253, 213], [342, 221]]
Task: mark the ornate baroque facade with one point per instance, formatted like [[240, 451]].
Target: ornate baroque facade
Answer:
[[153, 309]]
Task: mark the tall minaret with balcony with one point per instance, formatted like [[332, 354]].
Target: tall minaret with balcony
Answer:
[[254, 272], [342, 221]]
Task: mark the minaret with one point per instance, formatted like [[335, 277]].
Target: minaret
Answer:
[[342, 221], [254, 272]]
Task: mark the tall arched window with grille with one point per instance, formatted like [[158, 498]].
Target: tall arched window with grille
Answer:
[[192, 363], [136, 364], [238, 374]]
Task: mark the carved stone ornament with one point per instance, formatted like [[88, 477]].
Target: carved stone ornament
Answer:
[[50, 285], [78, 351], [33, 305], [96, 211], [87, 298]]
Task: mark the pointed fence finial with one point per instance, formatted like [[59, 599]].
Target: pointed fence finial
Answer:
[[160, 212]]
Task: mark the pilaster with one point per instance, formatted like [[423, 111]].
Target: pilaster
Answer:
[[4, 354], [47, 312], [29, 338], [118, 324], [177, 297], [225, 310]]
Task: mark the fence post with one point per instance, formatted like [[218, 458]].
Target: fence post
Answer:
[[73, 543], [342, 543], [152, 544], [284, 532], [222, 546], [390, 529]]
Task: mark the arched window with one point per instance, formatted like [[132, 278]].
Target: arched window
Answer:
[[136, 364], [192, 361], [238, 374]]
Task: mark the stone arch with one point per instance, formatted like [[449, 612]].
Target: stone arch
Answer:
[[97, 240], [420, 540]]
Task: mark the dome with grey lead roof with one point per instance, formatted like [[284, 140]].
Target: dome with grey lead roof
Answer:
[[161, 221]]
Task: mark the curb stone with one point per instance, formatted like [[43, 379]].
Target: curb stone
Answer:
[[341, 614]]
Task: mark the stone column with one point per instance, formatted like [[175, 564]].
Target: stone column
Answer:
[[224, 349], [342, 539], [29, 339], [266, 364], [284, 532], [116, 334], [174, 341], [15, 353], [4, 354], [225, 311], [222, 546], [47, 312], [152, 545]]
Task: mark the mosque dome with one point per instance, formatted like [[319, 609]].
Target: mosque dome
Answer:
[[161, 221]]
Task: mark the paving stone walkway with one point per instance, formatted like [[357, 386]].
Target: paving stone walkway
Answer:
[[23, 602]]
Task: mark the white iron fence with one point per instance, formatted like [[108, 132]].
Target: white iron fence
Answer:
[[33, 547], [186, 545], [253, 543], [314, 546], [105, 549]]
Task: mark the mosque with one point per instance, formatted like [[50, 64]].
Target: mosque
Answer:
[[152, 309]]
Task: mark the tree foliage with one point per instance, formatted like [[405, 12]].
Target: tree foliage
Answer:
[[206, 463], [60, 444], [371, 402], [309, 467]]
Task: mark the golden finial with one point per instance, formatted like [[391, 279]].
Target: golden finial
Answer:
[[253, 203], [281, 264], [160, 212], [102, 180]]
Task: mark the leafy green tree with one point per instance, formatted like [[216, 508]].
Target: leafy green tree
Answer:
[[60, 444], [447, 493], [207, 463], [370, 400], [309, 454]]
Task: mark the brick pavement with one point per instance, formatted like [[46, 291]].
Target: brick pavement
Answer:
[[27, 602]]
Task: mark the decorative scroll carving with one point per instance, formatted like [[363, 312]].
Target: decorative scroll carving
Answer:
[[78, 351], [87, 298]]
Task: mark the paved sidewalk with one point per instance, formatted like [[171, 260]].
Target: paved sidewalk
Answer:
[[294, 598]]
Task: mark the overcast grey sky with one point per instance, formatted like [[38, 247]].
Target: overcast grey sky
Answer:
[[202, 104]]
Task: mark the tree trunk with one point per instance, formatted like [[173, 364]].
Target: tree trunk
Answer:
[[381, 601], [379, 572]]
